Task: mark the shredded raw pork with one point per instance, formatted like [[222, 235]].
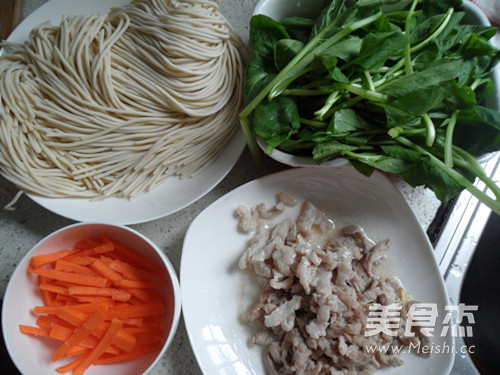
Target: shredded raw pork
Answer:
[[317, 284]]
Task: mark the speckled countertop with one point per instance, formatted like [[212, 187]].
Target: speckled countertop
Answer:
[[28, 223]]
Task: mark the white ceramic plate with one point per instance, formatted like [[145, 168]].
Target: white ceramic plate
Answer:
[[172, 195], [215, 292]]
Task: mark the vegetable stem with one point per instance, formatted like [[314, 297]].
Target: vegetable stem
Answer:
[[407, 53], [442, 25], [366, 94], [313, 123], [303, 59], [448, 149], [330, 101], [431, 130], [473, 165], [493, 204], [251, 140]]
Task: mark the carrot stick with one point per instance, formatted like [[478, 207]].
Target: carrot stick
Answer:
[[137, 311], [138, 284], [95, 299], [60, 332], [43, 259], [36, 331], [138, 351], [50, 287], [80, 333], [70, 366], [105, 247], [115, 294], [81, 260], [138, 259], [141, 294], [70, 266], [70, 277], [123, 340], [128, 271], [47, 297], [105, 342], [73, 317], [77, 350], [48, 321], [51, 310], [106, 272]]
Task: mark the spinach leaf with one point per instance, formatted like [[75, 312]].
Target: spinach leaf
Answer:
[[264, 33], [376, 49], [276, 120], [285, 50]]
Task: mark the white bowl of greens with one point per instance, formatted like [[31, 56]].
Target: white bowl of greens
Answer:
[[404, 87]]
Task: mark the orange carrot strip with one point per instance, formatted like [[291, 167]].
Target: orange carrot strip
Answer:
[[43, 259], [138, 351], [77, 350], [80, 333], [141, 294], [47, 297], [105, 247], [105, 342], [36, 331], [48, 321], [70, 277], [138, 259], [124, 340], [50, 287], [95, 299], [128, 271], [100, 267], [70, 366], [51, 310], [63, 300], [60, 332], [91, 307], [138, 284], [116, 294], [137, 311], [75, 318], [64, 265], [81, 260]]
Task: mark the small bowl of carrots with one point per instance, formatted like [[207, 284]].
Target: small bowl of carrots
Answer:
[[91, 298]]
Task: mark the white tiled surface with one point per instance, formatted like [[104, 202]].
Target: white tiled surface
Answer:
[[22, 228]]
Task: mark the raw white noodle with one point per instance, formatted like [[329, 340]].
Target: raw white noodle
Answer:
[[112, 105]]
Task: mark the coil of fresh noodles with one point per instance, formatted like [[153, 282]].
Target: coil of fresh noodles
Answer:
[[111, 105]]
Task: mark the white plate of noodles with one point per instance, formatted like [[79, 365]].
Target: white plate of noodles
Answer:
[[121, 128]]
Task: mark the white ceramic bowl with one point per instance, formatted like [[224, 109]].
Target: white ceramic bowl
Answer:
[[32, 355], [279, 9]]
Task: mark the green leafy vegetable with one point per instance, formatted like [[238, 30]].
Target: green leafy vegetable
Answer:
[[398, 86]]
